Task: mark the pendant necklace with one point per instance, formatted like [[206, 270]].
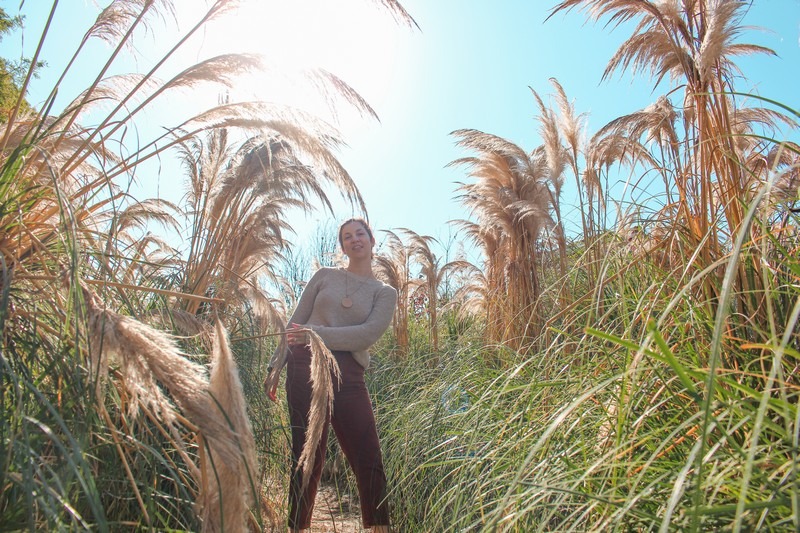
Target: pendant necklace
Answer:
[[347, 302]]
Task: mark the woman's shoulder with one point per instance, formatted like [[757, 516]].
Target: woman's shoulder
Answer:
[[326, 271], [386, 289], [323, 275], [387, 295]]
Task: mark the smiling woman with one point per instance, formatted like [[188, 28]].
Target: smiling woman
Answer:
[[349, 309]]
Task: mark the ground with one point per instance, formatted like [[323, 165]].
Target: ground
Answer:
[[335, 513]]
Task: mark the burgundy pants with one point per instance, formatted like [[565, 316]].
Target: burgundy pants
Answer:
[[354, 424]]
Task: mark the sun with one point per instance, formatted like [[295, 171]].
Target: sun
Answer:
[[356, 40]]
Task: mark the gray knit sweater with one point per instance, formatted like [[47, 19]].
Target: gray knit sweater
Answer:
[[355, 328]]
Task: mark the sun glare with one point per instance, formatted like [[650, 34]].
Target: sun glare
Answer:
[[354, 39]]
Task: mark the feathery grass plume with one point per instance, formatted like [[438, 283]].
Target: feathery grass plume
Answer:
[[113, 24], [147, 358], [513, 201], [398, 12], [323, 369], [419, 247], [433, 274], [229, 482], [470, 296], [556, 158], [239, 195], [393, 267]]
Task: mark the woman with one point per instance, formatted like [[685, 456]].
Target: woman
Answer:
[[349, 309]]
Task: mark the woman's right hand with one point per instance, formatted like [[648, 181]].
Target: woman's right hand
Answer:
[[296, 335]]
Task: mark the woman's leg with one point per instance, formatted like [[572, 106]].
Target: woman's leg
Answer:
[[354, 424], [298, 395]]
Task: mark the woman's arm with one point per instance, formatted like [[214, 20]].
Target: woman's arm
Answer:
[[301, 313], [362, 336]]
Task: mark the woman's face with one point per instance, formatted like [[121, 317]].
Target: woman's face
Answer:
[[356, 240]]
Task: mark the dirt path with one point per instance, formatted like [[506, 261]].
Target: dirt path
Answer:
[[335, 513]]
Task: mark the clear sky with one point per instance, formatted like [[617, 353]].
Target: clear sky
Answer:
[[469, 65]]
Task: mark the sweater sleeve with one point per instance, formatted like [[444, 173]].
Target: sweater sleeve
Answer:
[[300, 316], [362, 336], [306, 304]]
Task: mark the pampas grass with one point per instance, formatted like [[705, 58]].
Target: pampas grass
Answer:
[[229, 483], [227, 474], [324, 369], [149, 359]]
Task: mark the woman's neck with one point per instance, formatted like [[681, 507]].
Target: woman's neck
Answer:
[[360, 268]]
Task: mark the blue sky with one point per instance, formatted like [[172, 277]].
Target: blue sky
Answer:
[[470, 65]]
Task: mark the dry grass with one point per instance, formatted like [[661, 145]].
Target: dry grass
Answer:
[[230, 484], [324, 369], [512, 201], [704, 141], [393, 265], [149, 359]]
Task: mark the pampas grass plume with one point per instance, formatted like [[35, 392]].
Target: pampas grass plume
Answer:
[[147, 358], [230, 483], [324, 369]]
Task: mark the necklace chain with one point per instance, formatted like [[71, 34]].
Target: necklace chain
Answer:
[[347, 302]]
